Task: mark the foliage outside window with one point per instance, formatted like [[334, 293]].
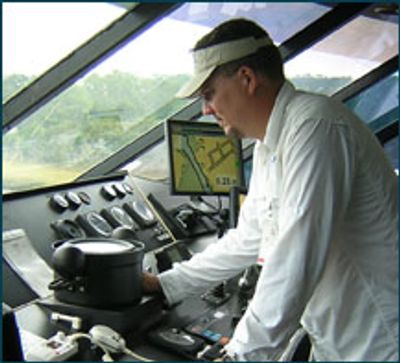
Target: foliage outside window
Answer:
[[132, 91]]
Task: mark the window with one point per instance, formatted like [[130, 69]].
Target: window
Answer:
[[282, 20], [37, 35], [133, 90], [392, 150], [126, 95], [378, 105], [344, 56]]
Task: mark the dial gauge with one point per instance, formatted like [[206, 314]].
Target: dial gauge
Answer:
[[143, 211], [99, 223], [139, 211], [118, 217], [122, 217], [95, 224]]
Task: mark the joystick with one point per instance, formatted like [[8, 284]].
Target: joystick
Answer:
[[176, 340], [217, 295]]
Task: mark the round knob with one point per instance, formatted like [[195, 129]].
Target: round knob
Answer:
[[68, 261]]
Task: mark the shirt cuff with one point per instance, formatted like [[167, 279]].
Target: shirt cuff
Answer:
[[169, 287]]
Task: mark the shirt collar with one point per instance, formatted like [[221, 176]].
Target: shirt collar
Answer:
[[276, 119]]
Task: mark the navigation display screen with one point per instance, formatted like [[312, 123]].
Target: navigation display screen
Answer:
[[203, 160]]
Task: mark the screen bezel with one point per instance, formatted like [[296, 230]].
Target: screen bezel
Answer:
[[237, 196], [169, 124]]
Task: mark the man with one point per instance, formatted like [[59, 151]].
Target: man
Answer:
[[320, 215]]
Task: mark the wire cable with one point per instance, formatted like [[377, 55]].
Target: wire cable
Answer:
[[137, 356], [107, 354]]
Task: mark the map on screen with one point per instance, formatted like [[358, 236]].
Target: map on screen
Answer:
[[203, 160]]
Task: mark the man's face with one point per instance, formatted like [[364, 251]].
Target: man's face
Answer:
[[224, 97]]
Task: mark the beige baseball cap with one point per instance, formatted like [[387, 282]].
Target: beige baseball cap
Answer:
[[206, 60]]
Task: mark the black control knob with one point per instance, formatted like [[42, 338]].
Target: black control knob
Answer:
[[219, 291], [108, 192], [85, 197], [68, 261], [67, 229], [73, 199], [120, 190], [58, 203]]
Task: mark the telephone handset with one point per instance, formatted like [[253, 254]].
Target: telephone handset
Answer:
[[174, 224], [184, 222]]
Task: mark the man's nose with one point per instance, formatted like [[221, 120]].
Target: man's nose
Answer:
[[207, 108]]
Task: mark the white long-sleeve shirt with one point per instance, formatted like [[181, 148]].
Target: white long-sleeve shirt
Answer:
[[321, 214]]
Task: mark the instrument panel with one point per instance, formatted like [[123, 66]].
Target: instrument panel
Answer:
[[114, 207], [108, 207], [97, 212]]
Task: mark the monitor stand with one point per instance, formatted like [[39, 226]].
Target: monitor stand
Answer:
[[198, 203]]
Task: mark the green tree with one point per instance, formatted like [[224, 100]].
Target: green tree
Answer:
[[14, 83]]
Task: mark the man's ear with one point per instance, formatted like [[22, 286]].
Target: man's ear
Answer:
[[248, 79]]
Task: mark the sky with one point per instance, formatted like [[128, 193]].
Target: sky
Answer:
[[37, 35], [29, 29]]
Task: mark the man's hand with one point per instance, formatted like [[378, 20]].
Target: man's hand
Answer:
[[150, 283]]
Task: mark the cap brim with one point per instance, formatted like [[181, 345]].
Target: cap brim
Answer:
[[193, 86]]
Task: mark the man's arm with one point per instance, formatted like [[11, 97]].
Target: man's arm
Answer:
[[223, 259]]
